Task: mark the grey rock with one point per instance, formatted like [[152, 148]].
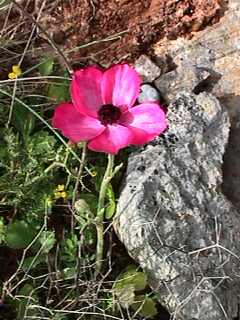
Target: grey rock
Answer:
[[148, 70], [185, 77], [231, 170], [174, 219], [148, 93], [215, 50]]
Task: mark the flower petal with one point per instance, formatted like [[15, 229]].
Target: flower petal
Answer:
[[86, 90], [146, 121], [120, 86], [114, 138], [74, 125]]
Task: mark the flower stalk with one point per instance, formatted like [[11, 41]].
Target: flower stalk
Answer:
[[108, 175], [103, 113]]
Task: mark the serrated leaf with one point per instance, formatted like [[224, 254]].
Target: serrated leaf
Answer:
[[46, 66], [19, 235], [41, 144], [147, 306]]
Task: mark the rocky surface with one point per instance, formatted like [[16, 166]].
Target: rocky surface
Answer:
[[185, 77], [209, 61], [173, 218], [148, 70], [173, 214]]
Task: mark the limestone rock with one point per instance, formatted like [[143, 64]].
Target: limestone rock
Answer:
[[174, 219], [185, 77], [147, 69], [214, 52]]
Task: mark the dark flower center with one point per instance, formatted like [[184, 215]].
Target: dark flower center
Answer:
[[109, 114]]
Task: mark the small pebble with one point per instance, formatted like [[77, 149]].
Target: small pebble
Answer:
[[148, 93]]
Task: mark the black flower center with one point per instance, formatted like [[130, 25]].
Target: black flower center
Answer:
[[109, 114]]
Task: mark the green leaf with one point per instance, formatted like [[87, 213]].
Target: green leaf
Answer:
[[59, 92], [110, 210], [31, 262], [47, 240], [27, 297], [111, 207], [69, 273], [98, 178], [19, 235], [46, 66], [91, 200], [41, 144], [147, 306], [23, 120], [68, 249], [131, 277], [84, 216], [83, 208], [125, 295]]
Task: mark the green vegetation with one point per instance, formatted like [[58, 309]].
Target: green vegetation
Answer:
[[48, 211], [49, 203]]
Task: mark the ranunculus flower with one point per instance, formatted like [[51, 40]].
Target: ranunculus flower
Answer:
[[102, 111]]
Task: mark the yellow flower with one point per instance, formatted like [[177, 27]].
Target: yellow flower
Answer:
[[60, 187], [93, 173], [63, 194], [60, 192], [16, 71], [59, 195], [12, 75]]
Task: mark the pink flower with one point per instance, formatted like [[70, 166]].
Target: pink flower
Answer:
[[102, 110]]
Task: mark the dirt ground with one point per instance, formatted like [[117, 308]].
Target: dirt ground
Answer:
[[115, 30], [108, 31]]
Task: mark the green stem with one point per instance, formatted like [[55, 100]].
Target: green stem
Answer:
[[100, 211], [79, 177], [80, 171]]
